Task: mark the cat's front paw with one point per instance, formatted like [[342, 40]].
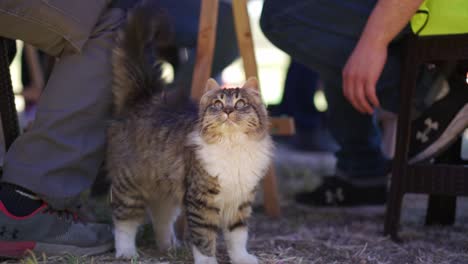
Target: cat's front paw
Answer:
[[245, 259], [126, 253]]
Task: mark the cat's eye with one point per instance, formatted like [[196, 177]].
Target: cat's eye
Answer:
[[240, 104], [218, 105]]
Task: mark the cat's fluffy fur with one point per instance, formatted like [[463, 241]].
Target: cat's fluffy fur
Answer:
[[167, 155]]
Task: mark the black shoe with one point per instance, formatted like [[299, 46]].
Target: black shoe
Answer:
[[441, 124], [335, 191]]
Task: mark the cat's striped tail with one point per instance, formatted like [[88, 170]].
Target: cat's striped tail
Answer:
[[135, 62]]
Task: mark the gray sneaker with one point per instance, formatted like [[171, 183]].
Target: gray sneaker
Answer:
[[51, 232]]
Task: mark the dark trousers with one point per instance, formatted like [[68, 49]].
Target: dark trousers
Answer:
[[321, 34]]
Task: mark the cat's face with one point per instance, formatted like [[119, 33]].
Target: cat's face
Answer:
[[224, 112]]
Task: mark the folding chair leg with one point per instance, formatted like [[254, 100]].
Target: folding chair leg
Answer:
[[244, 37], [205, 46], [392, 214], [399, 171], [270, 194]]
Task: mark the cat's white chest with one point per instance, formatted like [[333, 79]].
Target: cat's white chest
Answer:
[[239, 163]]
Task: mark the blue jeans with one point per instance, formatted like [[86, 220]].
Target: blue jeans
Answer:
[[298, 97], [321, 34]]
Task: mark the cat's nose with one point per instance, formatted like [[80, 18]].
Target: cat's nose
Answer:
[[228, 110]]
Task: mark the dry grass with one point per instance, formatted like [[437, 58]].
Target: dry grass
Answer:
[[320, 235]]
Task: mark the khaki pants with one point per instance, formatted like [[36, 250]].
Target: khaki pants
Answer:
[[60, 155]]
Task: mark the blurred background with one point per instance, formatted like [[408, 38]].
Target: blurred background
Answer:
[[272, 68]]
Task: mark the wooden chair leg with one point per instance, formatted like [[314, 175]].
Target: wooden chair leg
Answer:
[[270, 194], [205, 46], [392, 214], [244, 37], [395, 200], [246, 48], [397, 186], [441, 210]]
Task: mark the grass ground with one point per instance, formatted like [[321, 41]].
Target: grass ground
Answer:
[[320, 235]]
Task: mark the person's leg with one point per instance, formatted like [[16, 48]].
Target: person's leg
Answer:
[[321, 34], [185, 16], [60, 155], [52, 26], [298, 97], [298, 101], [311, 131]]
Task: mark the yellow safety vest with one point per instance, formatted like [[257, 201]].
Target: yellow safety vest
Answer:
[[441, 17]]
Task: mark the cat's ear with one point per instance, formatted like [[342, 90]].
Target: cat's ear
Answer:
[[211, 84], [252, 82]]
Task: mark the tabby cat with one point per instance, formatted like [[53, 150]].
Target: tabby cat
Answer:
[[167, 154]]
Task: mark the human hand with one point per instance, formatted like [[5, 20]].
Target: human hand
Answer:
[[361, 73]]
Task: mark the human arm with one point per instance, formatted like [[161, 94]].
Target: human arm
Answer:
[[366, 62]]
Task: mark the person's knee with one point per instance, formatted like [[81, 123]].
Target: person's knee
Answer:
[[273, 26], [266, 22], [54, 27]]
